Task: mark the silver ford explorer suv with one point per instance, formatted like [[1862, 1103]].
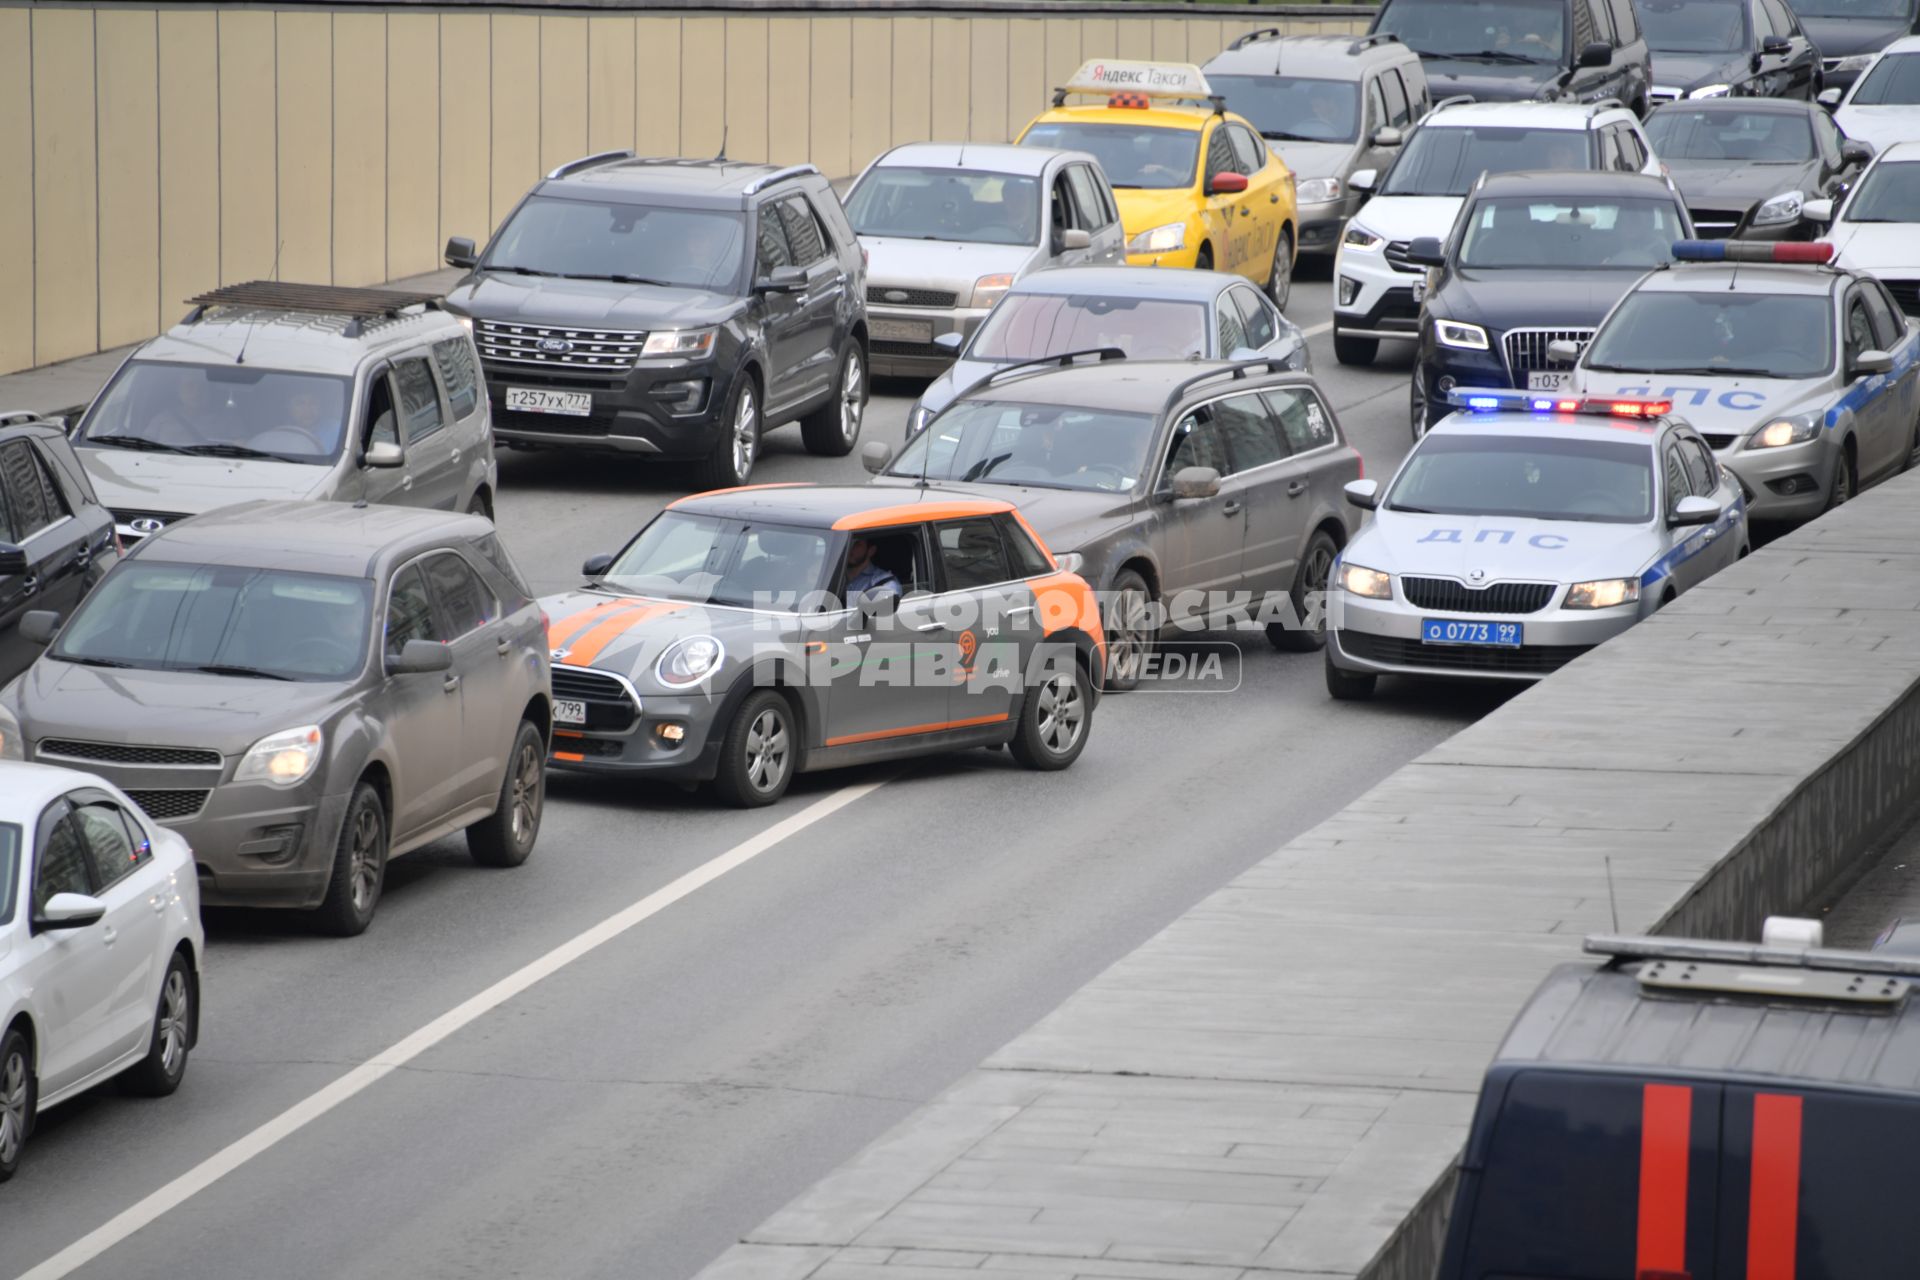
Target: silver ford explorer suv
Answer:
[[303, 690], [272, 390]]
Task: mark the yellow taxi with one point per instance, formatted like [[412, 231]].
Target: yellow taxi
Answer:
[[1196, 184]]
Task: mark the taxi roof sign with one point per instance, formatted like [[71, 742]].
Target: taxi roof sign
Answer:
[[1153, 79]]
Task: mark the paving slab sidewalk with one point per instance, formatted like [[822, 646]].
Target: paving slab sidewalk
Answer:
[[1266, 1089]]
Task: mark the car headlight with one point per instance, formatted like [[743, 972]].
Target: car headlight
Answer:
[[1362, 581], [466, 322], [1467, 337], [1070, 562], [1317, 191], [1160, 239], [1711, 91], [1784, 207], [1602, 593], [988, 290], [282, 758], [1784, 432], [1853, 62], [681, 342], [689, 660], [1358, 237], [13, 743]]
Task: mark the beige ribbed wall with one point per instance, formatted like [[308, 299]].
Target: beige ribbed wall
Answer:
[[149, 153]]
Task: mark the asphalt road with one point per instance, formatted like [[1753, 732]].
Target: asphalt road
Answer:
[[636, 1110]]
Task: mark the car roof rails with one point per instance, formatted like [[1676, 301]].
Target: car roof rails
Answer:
[[572, 167], [1371, 39], [326, 299], [1241, 42], [1457, 100], [1060, 361], [1237, 370], [766, 180], [19, 417], [1595, 107]]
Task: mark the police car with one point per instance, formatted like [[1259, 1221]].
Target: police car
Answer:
[[1805, 378], [1523, 532]]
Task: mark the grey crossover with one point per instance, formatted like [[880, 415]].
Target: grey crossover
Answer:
[[303, 691]]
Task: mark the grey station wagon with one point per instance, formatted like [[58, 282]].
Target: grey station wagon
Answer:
[[304, 690]]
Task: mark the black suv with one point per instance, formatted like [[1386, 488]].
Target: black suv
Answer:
[[1514, 50], [1534, 260], [673, 308], [55, 537]]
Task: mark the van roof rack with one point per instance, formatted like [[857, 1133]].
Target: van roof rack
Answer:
[[1821, 959], [1238, 369], [588, 162], [766, 180], [327, 299], [1371, 39], [1060, 361]]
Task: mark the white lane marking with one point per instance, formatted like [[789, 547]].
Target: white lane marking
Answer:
[[376, 1068], [1322, 327]]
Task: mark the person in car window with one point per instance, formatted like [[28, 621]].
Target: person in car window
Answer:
[[306, 413], [867, 578], [180, 421]]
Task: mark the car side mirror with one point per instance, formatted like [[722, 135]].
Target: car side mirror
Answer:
[[782, 280], [597, 566], [1363, 179], [382, 454], [1195, 482], [39, 626], [1694, 509], [1427, 251], [1388, 136], [461, 252], [1829, 98], [1855, 152], [1364, 494], [417, 657], [875, 456], [13, 560], [1870, 364], [69, 911], [1596, 53], [953, 341], [1226, 184], [1775, 45], [1564, 350], [1820, 210], [1075, 238]]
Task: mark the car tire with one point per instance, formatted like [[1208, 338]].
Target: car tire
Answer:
[[730, 465], [165, 1066], [1316, 568], [1128, 647], [833, 429], [480, 506], [1846, 480], [1354, 351], [1349, 686], [359, 867], [1419, 411], [1280, 278], [1203, 260], [1055, 719], [505, 837], [17, 1093], [759, 752]]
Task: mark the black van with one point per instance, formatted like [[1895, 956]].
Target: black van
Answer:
[[1516, 50], [1690, 1110]]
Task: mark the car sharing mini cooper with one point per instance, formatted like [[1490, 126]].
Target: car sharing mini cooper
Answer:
[[1520, 534], [747, 635]]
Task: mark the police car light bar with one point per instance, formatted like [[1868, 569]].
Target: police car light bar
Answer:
[[1818, 253], [1501, 400], [1147, 79]]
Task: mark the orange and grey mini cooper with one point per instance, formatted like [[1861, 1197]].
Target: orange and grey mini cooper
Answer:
[[747, 635]]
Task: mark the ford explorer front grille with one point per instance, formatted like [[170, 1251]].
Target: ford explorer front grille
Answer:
[[591, 350], [119, 753], [1457, 597], [1527, 350], [887, 295]]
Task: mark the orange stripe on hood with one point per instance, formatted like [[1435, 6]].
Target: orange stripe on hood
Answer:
[[560, 632], [583, 651]]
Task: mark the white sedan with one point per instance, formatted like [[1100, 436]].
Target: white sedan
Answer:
[[1883, 106], [100, 947], [1877, 228]]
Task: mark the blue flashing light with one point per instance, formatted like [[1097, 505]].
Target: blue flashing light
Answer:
[[1817, 253], [1483, 404]]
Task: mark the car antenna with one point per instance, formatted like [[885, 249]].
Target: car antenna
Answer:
[[1613, 903], [241, 357], [723, 144]]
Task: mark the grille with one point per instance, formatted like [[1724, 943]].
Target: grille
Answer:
[[1527, 349], [1715, 224], [610, 708], [1906, 293], [882, 348], [523, 375], [1396, 256], [116, 753], [1495, 597], [169, 806], [1533, 659], [1719, 440], [551, 424], [586, 349], [881, 295]]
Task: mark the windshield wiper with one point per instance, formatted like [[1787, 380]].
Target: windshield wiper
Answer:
[[618, 278], [91, 662], [522, 271], [231, 451], [135, 442], [1498, 55], [1126, 186], [1710, 371], [1281, 135], [1412, 511], [229, 669]]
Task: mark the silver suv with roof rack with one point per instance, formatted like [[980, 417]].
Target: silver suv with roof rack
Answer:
[[1329, 106], [270, 390]]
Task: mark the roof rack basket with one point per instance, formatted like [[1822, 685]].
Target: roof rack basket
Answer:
[[325, 299]]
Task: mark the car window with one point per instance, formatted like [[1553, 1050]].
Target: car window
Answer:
[[60, 862], [1888, 328], [491, 550], [1086, 197], [459, 373], [1677, 484], [1256, 317], [1220, 157], [1602, 22], [1703, 473], [1775, 14], [771, 250], [114, 846], [1247, 149], [1303, 419], [1197, 443], [465, 602], [1233, 334], [1028, 559], [1399, 111], [382, 424], [1624, 27], [1061, 210], [1859, 326], [1827, 136], [1633, 148], [33, 501], [1251, 434], [973, 554], [410, 611], [419, 398], [805, 236], [1376, 107]]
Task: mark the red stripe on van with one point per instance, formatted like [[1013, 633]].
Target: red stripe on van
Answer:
[[1773, 1210], [1666, 1133]]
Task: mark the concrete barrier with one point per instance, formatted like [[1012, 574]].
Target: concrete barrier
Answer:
[[1278, 1084], [152, 151]]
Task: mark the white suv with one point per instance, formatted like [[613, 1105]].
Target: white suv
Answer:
[[1376, 290]]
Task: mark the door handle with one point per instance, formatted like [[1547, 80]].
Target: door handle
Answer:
[[1297, 488], [406, 482], [1230, 509], [1274, 198], [456, 455], [1710, 535], [108, 936], [1246, 212], [29, 585], [82, 556], [158, 903], [504, 648], [450, 684]]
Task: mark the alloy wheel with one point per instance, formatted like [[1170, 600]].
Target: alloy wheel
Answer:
[[1127, 643], [745, 438], [1319, 573], [1063, 714], [364, 867], [525, 797], [176, 1012], [853, 396], [767, 750], [1280, 283], [13, 1105]]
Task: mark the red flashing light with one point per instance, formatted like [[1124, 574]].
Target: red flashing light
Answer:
[[1819, 252], [1640, 408]]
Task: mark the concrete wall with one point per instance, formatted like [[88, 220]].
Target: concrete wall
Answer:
[[154, 151]]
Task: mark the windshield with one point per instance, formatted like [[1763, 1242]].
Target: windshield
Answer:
[[1876, 10], [1527, 478], [1027, 326], [1134, 156], [947, 204], [1771, 335], [682, 556], [263, 623], [1695, 26], [1570, 235], [1294, 110], [220, 411], [1889, 193], [1759, 137], [1447, 161], [1488, 30], [598, 240], [994, 442], [1893, 82]]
